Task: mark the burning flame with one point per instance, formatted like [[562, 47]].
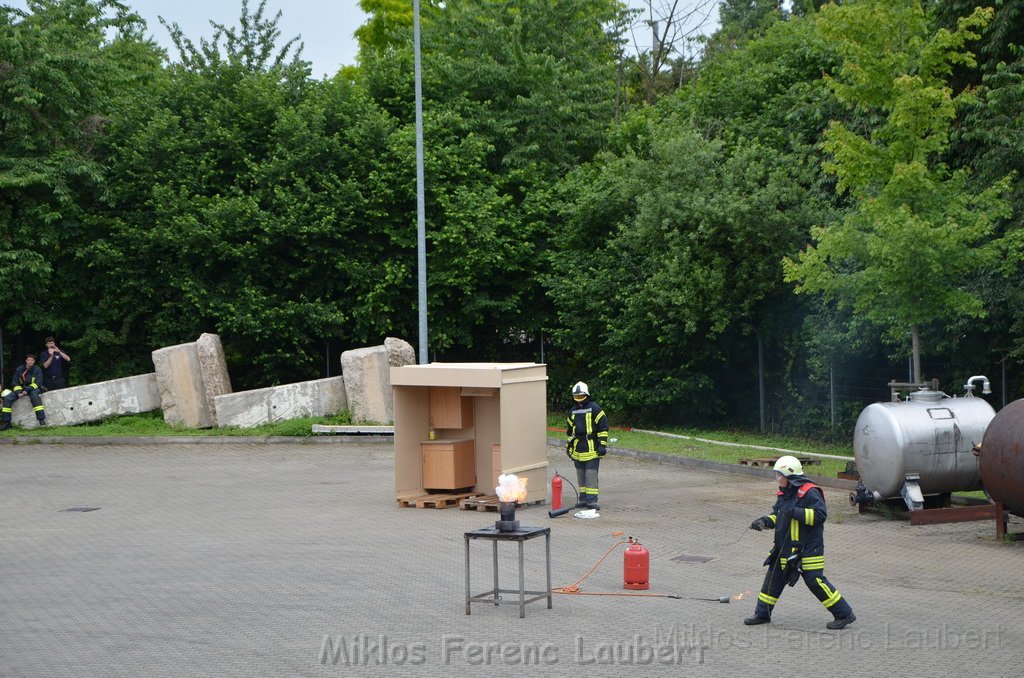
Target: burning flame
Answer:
[[741, 596], [511, 488]]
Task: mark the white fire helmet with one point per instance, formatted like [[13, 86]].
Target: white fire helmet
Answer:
[[789, 466], [580, 391]]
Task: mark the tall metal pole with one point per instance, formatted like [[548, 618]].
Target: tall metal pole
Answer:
[[832, 395], [760, 380], [421, 222]]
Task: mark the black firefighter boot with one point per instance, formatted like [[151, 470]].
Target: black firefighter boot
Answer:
[[841, 622]]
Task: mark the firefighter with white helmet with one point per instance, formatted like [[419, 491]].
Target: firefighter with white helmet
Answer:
[[798, 519], [586, 442]]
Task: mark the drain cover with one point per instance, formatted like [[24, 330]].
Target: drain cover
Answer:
[[693, 559], [80, 509]]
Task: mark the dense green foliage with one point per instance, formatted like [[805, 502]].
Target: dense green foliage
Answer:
[[865, 154]]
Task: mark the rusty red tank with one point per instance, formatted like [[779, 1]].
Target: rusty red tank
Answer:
[[1002, 457]]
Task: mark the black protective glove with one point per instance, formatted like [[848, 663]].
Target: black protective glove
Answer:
[[793, 569], [568, 450], [762, 523], [602, 450], [769, 560]]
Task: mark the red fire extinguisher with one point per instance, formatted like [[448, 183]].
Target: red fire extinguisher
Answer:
[[556, 492], [636, 566]]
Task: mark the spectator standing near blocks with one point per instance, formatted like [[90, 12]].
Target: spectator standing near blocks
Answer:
[[55, 363]]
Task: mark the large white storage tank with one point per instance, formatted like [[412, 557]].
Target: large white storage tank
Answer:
[[921, 446]]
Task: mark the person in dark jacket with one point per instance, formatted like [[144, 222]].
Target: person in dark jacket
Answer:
[[55, 362], [586, 443], [28, 381], [798, 519]]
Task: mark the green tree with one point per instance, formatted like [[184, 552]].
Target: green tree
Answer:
[[915, 230], [741, 21], [515, 96], [674, 264], [248, 201], [389, 24], [64, 67]]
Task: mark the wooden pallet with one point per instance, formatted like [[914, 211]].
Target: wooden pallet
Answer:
[[488, 503], [770, 461], [434, 501]]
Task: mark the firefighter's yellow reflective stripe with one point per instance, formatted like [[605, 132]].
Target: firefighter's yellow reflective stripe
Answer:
[[583, 456], [37, 408], [774, 518], [18, 388], [808, 516], [794, 530], [5, 392], [814, 563], [5, 409], [833, 597], [765, 598]]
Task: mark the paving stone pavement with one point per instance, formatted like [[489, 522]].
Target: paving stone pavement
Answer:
[[240, 558]]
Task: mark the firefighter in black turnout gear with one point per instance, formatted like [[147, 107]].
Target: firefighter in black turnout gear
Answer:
[[798, 519], [28, 381], [586, 442]]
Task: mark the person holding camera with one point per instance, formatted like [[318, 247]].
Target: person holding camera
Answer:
[[55, 363]]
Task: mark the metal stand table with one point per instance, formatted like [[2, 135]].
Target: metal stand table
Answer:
[[494, 595]]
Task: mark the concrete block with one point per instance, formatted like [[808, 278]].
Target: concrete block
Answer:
[[400, 352], [214, 366], [367, 376], [92, 402], [189, 377], [246, 409]]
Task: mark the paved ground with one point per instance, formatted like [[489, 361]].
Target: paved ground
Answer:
[[252, 559]]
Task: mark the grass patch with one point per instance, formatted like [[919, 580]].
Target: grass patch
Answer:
[[699, 449], [153, 424]]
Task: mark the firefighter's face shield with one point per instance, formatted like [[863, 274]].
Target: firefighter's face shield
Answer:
[[580, 397]]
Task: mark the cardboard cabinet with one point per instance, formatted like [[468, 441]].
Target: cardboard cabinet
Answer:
[[487, 418], [448, 464]]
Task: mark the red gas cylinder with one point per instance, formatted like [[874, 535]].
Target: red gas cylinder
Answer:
[[556, 492], [636, 570]]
